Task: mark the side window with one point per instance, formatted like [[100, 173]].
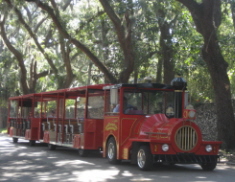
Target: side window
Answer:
[[26, 108], [95, 107], [13, 108], [153, 102], [134, 99], [81, 102], [169, 104], [112, 102], [51, 109], [157, 102], [132, 103], [37, 109], [70, 108]]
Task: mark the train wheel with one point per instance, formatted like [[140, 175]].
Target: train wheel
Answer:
[[51, 146], [31, 142], [82, 152], [112, 151], [210, 166], [144, 158], [15, 140]]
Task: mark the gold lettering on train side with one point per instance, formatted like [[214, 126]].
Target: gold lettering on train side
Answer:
[[155, 148], [111, 126], [164, 137], [160, 137], [156, 136]]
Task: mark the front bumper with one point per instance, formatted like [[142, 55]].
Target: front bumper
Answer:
[[186, 158]]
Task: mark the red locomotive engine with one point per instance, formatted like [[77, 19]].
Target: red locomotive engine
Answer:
[[156, 125], [144, 123]]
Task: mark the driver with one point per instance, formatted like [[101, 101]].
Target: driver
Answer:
[[126, 107], [170, 112]]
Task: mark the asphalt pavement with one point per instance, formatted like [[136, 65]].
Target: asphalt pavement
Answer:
[[23, 163]]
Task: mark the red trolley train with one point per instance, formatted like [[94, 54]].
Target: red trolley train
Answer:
[[143, 123]]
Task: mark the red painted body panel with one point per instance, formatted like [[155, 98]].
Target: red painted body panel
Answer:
[[28, 134], [153, 129], [46, 137], [93, 134], [77, 142]]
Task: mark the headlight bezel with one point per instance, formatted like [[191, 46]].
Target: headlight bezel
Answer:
[[165, 147], [208, 148], [191, 114]]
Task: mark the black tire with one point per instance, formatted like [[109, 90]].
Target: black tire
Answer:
[[210, 166], [15, 140], [144, 158], [51, 146], [32, 142], [111, 151], [82, 152]]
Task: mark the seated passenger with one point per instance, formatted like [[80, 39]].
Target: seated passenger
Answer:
[[36, 114], [43, 115], [116, 109], [52, 114]]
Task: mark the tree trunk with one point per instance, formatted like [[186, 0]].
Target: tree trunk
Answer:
[[166, 44], [217, 68], [124, 35], [159, 71], [207, 17], [167, 53], [19, 58]]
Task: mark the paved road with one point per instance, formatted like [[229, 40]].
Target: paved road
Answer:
[[22, 163]]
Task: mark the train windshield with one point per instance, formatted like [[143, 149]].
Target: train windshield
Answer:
[[148, 102]]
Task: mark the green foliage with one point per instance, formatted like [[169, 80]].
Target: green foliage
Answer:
[[85, 21], [3, 130]]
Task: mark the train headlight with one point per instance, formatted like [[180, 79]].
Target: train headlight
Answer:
[[165, 147], [208, 148], [191, 114]]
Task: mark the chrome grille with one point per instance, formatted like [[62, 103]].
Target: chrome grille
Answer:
[[186, 138]]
